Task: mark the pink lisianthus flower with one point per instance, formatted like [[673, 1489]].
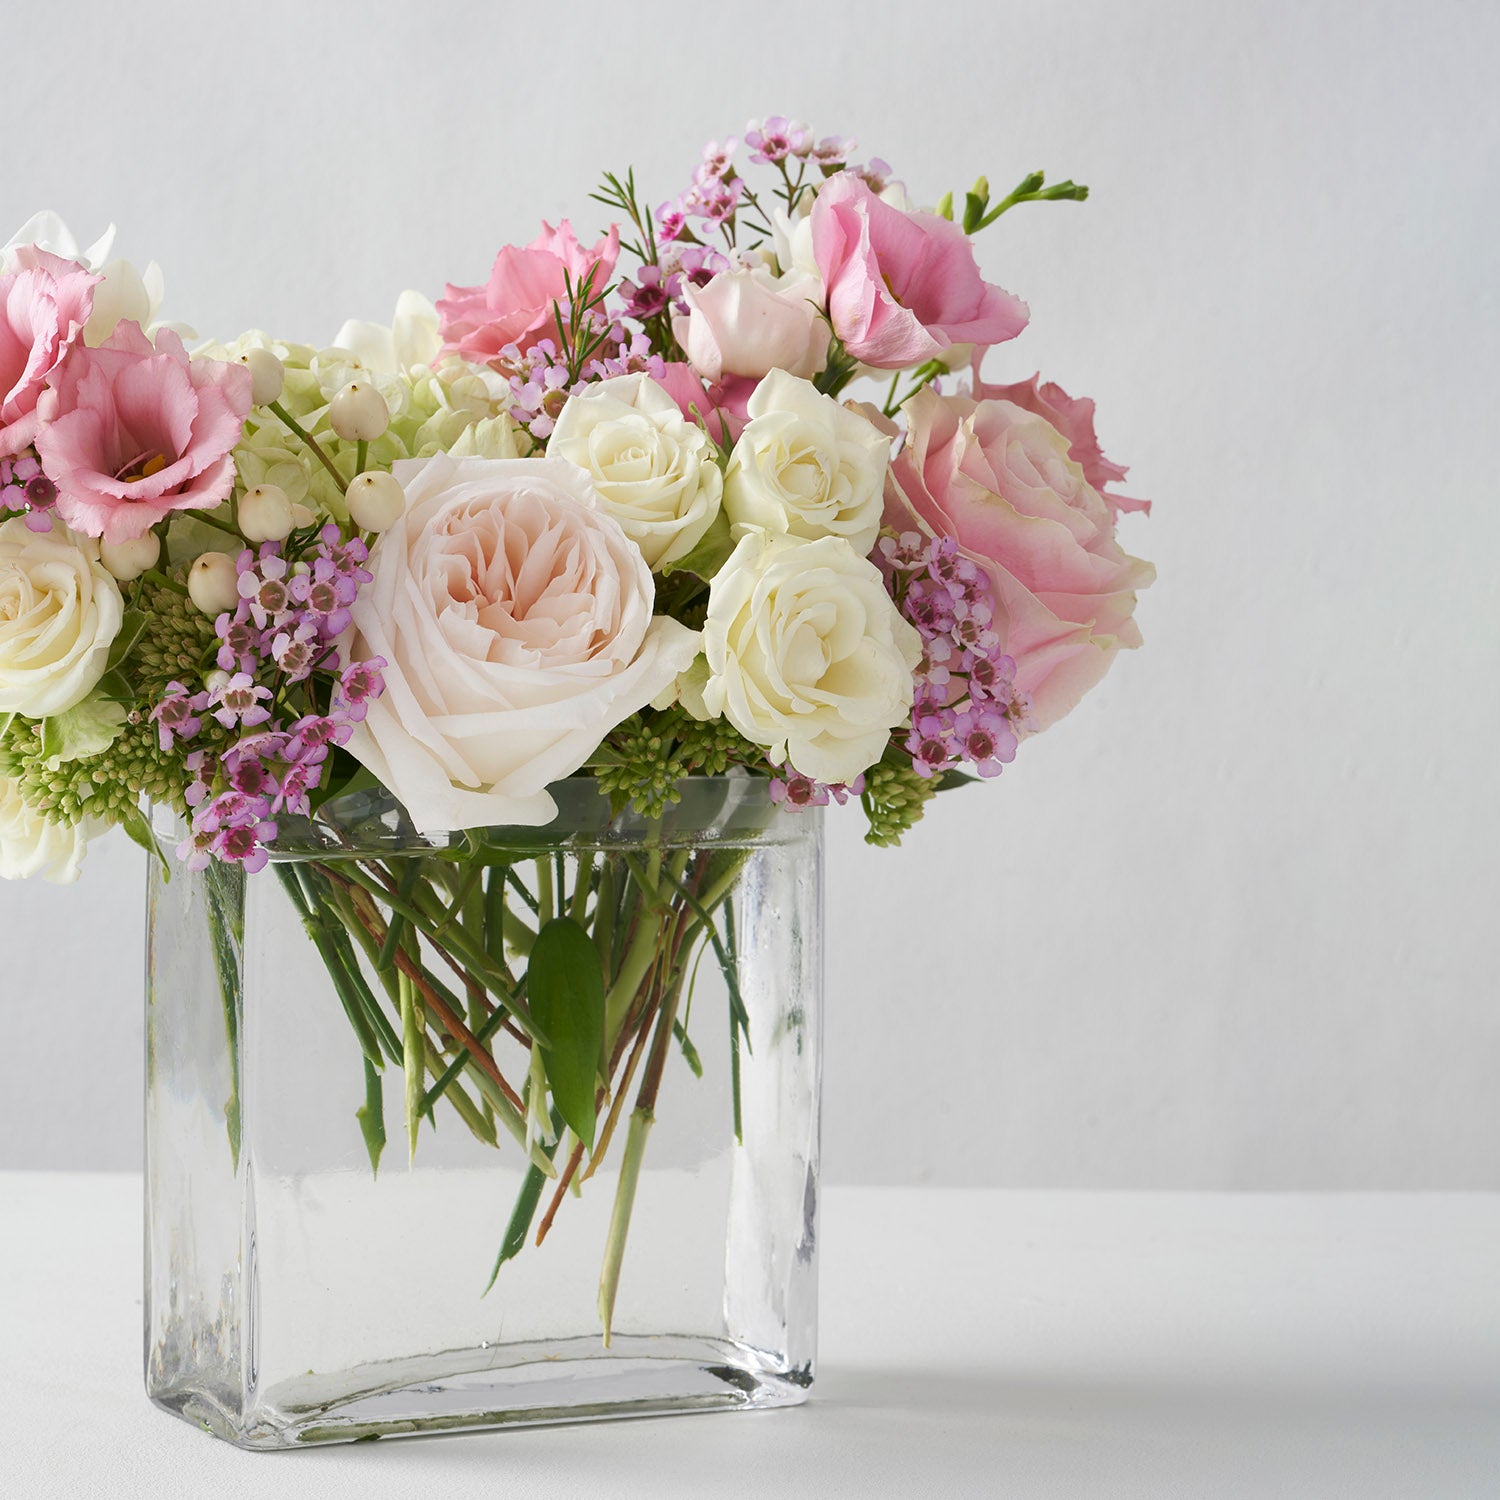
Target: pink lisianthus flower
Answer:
[[43, 307], [902, 287], [1073, 416], [722, 406], [132, 431], [515, 306], [999, 479]]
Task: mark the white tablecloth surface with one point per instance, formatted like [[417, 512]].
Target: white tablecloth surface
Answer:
[[974, 1343]]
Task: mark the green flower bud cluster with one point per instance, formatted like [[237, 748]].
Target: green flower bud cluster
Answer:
[[107, 785], [647, 756], [176, 645], [894, 799]]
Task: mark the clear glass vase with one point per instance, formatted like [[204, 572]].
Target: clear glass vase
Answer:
[[353, 1143]]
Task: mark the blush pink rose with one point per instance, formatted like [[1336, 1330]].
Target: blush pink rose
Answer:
[[1000, 480], [44, 304], [902, 287], [132, 431], [1073, 416], [515, 306]]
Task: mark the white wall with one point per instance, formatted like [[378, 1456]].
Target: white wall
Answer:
[[1232, 923]]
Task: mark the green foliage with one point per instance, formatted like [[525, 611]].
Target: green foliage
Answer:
[[566, 990]]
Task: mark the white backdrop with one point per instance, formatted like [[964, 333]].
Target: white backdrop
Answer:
[[1231, 924]]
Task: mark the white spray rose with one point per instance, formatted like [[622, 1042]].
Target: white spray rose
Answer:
[[653, 470], [806, 654], [33, 845], [515, 620], [59, 611], [805, 466], [412, 340], [747, 322]]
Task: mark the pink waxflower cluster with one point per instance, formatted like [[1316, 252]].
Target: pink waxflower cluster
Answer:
[[966, 707], [121, 435]]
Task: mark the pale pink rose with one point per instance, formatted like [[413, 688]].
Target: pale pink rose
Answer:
[[132, 431], [746, 322], [514, 617], [44, 304], [1000, 480], [1073, 416], [902, 287], [515, 306]]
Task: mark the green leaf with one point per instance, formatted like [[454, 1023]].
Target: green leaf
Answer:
[[711, 553], [565, 983], [973, 212], [133, 821], [88, 728], [132, 625]]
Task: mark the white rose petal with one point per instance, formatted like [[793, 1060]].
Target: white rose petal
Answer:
[[807, 654], [805, 466], [515, 618], [652, 469], [59, 611], [33, 845]]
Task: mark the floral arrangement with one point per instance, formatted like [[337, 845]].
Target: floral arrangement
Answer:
[[722, 493]]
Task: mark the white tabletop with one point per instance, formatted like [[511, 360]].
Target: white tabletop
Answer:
[[1073, 1345]]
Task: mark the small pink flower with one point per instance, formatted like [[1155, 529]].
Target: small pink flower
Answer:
[[902, 287], [515, 306], [43, 307], [132, 431]]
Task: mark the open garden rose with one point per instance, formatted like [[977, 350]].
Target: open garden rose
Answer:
[[747, 322], [59, 614], [44, 304], [515, 306], [514, 619], [807, 655], [902, 287], [1000, 480], [132, 431], [805, 466], [1073, 416], [653, 470]]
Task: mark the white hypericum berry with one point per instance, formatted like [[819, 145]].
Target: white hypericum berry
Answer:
[[266, 514], [267, 375], [376, 500], [127, 560], [216, 679], [213, 584], [302, 516], [358, 414]]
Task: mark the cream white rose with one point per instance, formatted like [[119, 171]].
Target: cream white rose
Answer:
[[747, 322], [806, 654], [653, 470], [515, 619], [33, 845], [805, 466], [59, 611]]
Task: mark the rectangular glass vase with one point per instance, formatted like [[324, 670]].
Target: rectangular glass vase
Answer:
[[294, 1294]]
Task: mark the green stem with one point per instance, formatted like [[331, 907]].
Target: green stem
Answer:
[[316, 448], [619, 1219]]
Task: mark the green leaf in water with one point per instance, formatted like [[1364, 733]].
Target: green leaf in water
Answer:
[[566, 990]]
